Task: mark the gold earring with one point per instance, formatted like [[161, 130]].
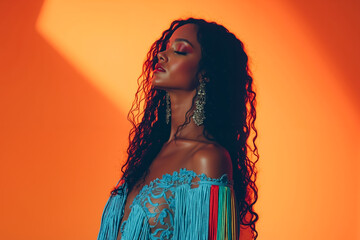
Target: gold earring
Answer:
[[199, 113]]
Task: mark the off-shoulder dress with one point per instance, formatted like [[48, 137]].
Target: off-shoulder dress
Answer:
[[181, 205]]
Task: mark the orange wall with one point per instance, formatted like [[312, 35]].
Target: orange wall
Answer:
[[68, 77]]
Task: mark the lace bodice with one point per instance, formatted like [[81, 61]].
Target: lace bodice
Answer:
[[169, 206]]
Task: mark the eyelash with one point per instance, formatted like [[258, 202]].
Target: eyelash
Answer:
[[177, 52], [181, 53]]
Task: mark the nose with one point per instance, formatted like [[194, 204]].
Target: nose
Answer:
[[162, 56]]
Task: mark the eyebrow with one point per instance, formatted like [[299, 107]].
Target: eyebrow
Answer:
[[183, 40]]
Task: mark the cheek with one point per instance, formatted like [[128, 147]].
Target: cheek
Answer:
[[183, 71]]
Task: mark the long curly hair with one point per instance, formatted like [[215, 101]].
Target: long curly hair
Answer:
[[230, 112]]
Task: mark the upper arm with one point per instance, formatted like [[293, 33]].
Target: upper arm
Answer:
[[213, 160]]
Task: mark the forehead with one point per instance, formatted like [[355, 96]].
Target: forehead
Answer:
[[188, 32]]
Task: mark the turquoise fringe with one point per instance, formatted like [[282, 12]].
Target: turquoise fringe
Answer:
[[192, 212], [111, 218], [137, 226]]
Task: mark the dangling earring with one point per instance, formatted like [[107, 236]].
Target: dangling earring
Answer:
[[168, 109], [199, 113]]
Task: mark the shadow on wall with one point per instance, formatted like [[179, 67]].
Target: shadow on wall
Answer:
[[60, 138], [336, 25]]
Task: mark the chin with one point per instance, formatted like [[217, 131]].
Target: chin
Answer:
[[154, 83], [157, 84]]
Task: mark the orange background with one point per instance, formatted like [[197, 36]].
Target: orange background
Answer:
[[68, 77]]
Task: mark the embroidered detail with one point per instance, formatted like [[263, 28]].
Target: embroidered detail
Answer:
[[157, 199], [183, 176]]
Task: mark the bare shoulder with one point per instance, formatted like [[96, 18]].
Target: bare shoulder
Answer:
[[213, 160]]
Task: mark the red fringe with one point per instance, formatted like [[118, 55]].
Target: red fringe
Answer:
[[213, 217]]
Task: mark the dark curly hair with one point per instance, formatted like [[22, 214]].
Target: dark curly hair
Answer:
[[230, 112]]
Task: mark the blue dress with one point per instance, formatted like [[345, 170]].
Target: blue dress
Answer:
[[182, 205]]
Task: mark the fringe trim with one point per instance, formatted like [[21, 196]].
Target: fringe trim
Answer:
[[111, 216], [191, 219], [206, 212], [214, 202], [137, 226], [223, 216]]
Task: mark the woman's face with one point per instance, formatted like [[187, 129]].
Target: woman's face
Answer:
[[180, 60]]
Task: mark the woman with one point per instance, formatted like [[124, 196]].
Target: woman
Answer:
[[188, 174]]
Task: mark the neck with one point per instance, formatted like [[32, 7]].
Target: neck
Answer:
[[180, 104]]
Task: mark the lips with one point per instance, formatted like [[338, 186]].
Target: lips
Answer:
[[158, 67]]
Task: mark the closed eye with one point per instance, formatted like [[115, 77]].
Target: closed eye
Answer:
[[181, 53]]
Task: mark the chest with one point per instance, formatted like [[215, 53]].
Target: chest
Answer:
[[167, 161]]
